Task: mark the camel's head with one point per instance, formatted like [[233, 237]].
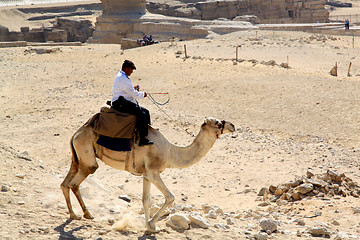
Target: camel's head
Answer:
[[220, 127]]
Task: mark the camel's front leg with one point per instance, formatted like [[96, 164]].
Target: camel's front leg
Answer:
[[146, 200], [155, 178]]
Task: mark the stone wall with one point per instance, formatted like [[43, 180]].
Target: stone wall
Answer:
[[115, 7], [267, 11], [64, 30], [124, 21], [77, 30]]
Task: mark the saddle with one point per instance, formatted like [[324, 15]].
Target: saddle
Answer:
[[115, 129]]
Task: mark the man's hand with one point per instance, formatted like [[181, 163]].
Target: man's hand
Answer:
[[145, 94], [137, 88]]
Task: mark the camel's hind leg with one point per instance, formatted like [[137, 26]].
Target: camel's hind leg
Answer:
[[79, 170], [66, 189], [74, 185]]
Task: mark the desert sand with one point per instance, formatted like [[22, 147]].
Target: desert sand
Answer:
[[288, 121]]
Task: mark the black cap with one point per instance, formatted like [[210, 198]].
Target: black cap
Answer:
[[128, 63]]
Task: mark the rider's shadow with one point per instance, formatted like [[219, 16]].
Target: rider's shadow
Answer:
[[69, 234]]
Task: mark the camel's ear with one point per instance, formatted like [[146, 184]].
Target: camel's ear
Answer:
[[207, 120]]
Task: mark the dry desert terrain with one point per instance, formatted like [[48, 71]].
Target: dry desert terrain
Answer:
[[290, 123]]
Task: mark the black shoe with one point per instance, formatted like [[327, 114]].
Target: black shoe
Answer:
[[145, 141]]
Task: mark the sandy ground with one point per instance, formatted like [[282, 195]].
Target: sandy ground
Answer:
[[288, 121]]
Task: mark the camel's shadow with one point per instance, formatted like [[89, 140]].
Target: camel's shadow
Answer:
[[146, 236], [69, 234]]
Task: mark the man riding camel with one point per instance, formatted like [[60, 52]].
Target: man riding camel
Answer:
[[124, 100]]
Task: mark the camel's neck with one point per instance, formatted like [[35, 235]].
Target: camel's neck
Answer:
[[183, 157]]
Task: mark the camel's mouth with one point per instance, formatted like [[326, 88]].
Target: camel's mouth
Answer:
[[231, 127]]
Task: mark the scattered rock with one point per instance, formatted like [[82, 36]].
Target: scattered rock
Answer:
[[318, 231], [300, 222], [229, 221], [309, 174], [42, 50], [261, 236], [5, 188], [221, 226], [356, 210], [329, 184], [44, 229], [111, 220], [268, 225], [334, 176], [178, 221], [218, 210], [304, 188], [335, 223], [125, 198], [206, 208], [198, 220], [264, 204], [212, 214], [263, 191]]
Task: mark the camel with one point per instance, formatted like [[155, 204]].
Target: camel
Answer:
[[147, 161]]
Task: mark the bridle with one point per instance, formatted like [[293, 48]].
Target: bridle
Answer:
[[223, 122], [221, 128]]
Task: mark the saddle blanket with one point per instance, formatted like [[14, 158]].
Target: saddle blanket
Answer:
[[115, 144], [112, 123]]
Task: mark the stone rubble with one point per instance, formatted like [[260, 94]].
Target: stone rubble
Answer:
[[325, 185]]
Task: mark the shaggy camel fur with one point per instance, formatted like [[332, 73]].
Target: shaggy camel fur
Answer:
[[148, 161]]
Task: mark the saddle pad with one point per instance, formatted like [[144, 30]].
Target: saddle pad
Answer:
[[115, 144], [112, 123]]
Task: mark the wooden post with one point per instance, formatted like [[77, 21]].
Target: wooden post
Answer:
[[353, 40], [237, 53], [185, 51], [349, 75], [333, 71], [336, 67]]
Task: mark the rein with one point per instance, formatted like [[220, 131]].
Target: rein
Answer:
[[157, 104]]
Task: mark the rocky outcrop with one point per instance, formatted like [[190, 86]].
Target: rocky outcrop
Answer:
[[338, 4], [64, 30], [124, 22], [77, 30], [268, 11]]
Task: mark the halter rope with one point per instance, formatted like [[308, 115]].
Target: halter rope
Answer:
[[157, 105]]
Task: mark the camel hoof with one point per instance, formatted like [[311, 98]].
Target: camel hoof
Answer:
[[150, 231], [74, 216], [150, 228], [87, 215]]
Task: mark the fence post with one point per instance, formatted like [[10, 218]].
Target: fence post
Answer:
[[349, 75]]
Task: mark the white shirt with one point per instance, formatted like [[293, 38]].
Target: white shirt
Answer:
[[124, 87]]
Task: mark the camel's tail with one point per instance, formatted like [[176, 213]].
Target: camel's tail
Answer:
[[74, 158]]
